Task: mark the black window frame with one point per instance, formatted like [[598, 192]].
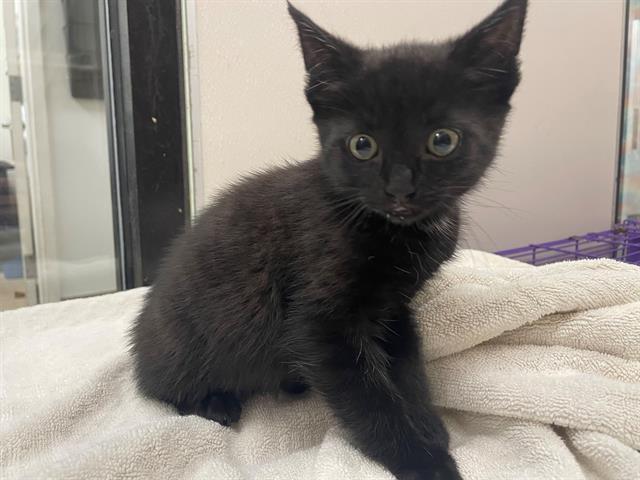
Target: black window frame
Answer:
[[146, 110]]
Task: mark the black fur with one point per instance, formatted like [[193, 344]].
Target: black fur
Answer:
[[302, 275]]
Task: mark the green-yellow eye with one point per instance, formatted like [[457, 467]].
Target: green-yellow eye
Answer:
[[363, 146], [443, 142]]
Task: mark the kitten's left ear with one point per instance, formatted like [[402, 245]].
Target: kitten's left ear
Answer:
[[497, 36], [490, 50]]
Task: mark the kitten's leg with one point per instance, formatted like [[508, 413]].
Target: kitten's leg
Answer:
[[403, 435], [221, 407], [409, 377]]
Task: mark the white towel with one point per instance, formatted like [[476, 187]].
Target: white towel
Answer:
[[536, 371]]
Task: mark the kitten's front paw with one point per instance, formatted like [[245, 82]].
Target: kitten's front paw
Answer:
[[442, 467], [444, 472], [221, 407], [438, 473]]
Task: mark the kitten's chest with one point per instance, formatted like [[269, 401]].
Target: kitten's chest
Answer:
[[394, 265]]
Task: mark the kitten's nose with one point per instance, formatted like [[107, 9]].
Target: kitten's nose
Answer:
[[400, 183]]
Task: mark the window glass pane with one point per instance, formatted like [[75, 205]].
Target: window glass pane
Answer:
[[56, 218], [630, 161]]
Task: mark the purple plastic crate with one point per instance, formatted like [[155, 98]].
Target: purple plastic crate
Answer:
[[620, 243]]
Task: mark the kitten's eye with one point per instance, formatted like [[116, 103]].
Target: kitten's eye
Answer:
[[363, 147], [442, 142]]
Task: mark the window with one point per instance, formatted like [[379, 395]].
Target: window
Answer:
[[92, 159], [629, 175]]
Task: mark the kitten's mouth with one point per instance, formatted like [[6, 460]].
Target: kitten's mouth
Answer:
[[402, 214]]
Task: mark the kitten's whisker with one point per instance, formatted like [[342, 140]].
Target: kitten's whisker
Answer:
[[332, 107], [507, 210], [318, 83], [404, 295], [402, 270], [360, 218], [344, 209], [486, 74], [355, 210], [498, 204], [355, 220], [341, 207], [483, 230], [514, 212], [383, 323], [311, 69], [497, 70], [342, 200]]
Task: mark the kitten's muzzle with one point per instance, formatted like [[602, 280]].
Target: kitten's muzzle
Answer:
[[399, 184]]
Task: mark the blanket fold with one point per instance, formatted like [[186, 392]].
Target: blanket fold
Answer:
[[536, 371]]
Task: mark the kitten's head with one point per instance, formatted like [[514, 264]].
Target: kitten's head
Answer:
[[408, 129]]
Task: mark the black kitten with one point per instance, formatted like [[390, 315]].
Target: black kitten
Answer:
[[302, 276]]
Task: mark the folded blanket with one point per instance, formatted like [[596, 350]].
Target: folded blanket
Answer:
[[536, 370]]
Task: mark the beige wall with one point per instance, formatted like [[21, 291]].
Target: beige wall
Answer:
[[556, 172]]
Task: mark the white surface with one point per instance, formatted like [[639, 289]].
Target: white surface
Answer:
[[557, 168], [537, 371]]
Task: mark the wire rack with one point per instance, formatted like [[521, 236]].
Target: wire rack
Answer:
[[622, 243]]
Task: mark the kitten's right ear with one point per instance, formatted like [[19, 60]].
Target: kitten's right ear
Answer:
[[327, 59]]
